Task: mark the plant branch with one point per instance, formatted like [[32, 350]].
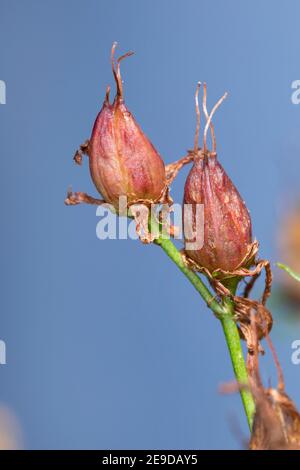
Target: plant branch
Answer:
[[237, 358], [224, 313], [171, 250]]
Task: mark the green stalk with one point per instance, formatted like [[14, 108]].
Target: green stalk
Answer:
[[171, 250], [225, 314], [236, 354]]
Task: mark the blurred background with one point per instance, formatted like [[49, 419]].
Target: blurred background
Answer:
[[107, 344]]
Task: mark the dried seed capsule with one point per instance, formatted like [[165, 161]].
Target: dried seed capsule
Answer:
[[125, 167], [123, 161], [227, 223]]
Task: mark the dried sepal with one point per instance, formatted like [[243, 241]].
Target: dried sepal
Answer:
[[83, 150], [276, 424], [73, 199]]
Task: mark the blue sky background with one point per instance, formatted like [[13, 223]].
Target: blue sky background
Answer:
[[108, 346]]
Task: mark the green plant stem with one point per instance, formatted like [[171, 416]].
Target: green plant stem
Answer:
[[171, 250], [225, 314], [237, 358]]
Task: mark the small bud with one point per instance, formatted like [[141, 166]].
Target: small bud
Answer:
[[123, 161], [227, 223]]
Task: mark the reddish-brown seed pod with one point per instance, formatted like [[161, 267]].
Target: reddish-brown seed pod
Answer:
[[123, 161], [227, 223]]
